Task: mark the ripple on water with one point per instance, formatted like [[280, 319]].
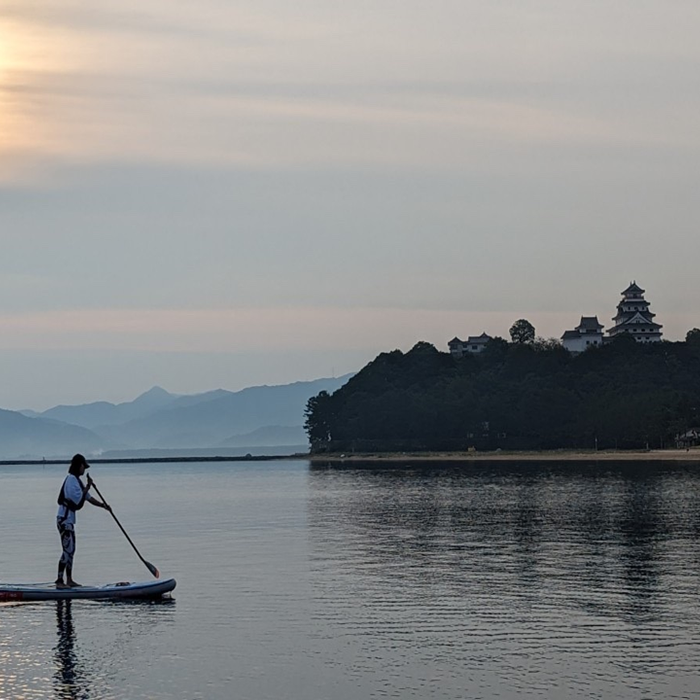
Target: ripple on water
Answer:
[[508, 582], [561, 585]]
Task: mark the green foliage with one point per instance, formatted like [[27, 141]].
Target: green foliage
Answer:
[[525, 395], [522, 331], [692, 337], [317, 424]]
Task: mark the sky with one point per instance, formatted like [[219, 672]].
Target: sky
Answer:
[[227, 193]]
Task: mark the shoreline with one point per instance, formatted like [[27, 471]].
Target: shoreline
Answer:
[[152, 460], [676, 455], [671, 455]]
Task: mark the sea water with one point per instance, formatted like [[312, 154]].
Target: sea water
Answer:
[[407, 581]]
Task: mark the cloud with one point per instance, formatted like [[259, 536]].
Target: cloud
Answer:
[[228, 330], [525, 236], [273, 88], [369, 172], [121, 20]]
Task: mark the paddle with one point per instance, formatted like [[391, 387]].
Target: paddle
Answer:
[[148, 564]]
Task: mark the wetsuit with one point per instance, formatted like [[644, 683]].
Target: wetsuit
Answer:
[[71, 498]]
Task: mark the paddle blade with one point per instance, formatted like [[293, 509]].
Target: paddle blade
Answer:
[[152, 569]]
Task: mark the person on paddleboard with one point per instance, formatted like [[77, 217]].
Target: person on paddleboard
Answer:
[[71, 498]]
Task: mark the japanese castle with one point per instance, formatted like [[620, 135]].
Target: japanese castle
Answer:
[[633, 318]]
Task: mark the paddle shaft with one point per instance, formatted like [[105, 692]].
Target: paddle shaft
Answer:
[[148, 564]]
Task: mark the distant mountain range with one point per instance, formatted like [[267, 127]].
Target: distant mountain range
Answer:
[[21, 436], [249, 420]]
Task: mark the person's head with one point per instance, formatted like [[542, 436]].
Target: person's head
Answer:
[[78, 465]]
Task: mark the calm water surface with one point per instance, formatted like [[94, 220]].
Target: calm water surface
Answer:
[[299, 582]]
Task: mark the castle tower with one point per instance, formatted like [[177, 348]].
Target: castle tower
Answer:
[[634, 318]]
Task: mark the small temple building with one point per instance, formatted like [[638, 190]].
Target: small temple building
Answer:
[[473, 344], [587, 334], [634, 317]]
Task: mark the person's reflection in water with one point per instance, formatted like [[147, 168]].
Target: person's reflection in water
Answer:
[[68, 675]]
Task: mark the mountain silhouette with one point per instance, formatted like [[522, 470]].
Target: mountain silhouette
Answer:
[[255, 417], [216, 417], [34, 438], [91, 415]]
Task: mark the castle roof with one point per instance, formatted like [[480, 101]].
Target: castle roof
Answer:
[[630, 314], [589, 323], [634, 288], [483, 338], [639, 320]]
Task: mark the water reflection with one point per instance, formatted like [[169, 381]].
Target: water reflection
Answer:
[[82, 671], [594, 536], [517, 580], [643, 527], [70, 679]]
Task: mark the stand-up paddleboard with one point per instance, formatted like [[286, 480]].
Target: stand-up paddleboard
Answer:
[[119, 591]]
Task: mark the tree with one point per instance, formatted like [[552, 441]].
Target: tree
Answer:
[[522, 331], [317, 420], [547, 344], [531, 395], [496, 348], [692, 337]]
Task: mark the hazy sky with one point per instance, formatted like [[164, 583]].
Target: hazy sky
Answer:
[[225, 193]]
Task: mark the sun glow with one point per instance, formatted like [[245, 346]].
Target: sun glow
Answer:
[[11, 64], [7, 52], [25, 55], [17, 54], [55, 101]]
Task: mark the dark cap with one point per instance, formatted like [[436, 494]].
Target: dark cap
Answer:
[[77, 462]]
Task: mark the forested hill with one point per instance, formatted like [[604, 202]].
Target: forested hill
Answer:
[[515, 396]]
